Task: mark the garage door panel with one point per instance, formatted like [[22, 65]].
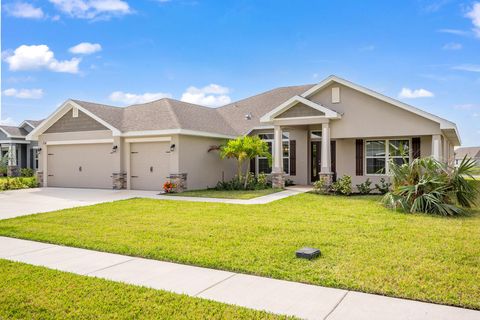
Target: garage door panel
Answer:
[[149, 162], [80, 166]]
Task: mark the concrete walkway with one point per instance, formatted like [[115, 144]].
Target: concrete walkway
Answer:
[[277, 296], [17, 203]]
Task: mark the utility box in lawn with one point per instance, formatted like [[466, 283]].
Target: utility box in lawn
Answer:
[[307, 253]]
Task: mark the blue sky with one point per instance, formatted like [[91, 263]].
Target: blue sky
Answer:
[[425, 53]]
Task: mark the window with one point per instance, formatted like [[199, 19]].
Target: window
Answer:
[[315, 135], [35, 158], [262, 162], [75, 112], [376, 157], [380, 152]]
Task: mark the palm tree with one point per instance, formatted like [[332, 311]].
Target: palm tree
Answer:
[[243, 149], [429, 186]]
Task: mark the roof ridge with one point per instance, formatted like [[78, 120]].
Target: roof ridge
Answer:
[[173, 112]]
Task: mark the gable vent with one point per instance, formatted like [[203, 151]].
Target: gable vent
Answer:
[[75, 112], [335, 95]]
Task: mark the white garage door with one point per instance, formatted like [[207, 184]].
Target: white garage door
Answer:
[[149, 163], [80, 166]]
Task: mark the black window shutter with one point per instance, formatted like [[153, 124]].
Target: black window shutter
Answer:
[[333, 155], [293, 157], [359, 157], [416, 147], [252, 165]]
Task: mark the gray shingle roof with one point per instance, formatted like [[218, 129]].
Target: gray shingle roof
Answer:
[[15, 131], [174, 114], [34, 123], [472, 152], [257, 106], [161, 114]]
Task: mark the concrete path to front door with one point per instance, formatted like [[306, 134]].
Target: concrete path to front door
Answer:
[[276, 296], [17, 203]]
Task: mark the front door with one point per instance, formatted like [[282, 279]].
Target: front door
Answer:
[[316, 159]]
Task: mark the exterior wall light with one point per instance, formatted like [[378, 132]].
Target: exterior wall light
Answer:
[[172, 147]]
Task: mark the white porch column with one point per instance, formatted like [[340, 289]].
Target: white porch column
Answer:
[[326, 157], [277, 150], [12, 155], [436, 146]]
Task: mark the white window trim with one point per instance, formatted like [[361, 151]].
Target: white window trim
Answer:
[[387, 155], [273, 152]]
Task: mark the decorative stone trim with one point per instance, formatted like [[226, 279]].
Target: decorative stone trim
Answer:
[[179, 180], [278, 180], [12, 171], [328, 177], [119, 180], [39, 175]]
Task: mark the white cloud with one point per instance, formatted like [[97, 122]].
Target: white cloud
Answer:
[[23, 93], [212, 95], [452, 46], [85, 48], [23, 10], [39, 57], [474, 15], [407, 93], [468, 67], [7, 122], [91, 9], [454, 31], [132, 98]]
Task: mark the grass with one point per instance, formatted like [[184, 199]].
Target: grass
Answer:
[[30, 292], [364, 246], [226, 194]]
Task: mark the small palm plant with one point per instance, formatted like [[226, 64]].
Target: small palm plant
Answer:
[[243, 149], [430, 186]]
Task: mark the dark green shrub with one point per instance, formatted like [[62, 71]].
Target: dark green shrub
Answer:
[[364, 188], [343, 185], [27, 172], [383, 187]]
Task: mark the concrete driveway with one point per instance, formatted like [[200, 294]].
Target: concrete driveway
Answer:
[[28, 201]]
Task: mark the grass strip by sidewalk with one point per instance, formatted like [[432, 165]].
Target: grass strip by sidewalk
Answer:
[[31, 292]]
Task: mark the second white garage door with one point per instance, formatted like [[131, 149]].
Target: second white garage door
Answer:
[[80, 166], [149, 165]]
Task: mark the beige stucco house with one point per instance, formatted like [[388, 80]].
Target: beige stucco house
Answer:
[[329, 129]]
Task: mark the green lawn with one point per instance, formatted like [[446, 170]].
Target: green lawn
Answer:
[[365, 247], [226, 194], [30, 292]]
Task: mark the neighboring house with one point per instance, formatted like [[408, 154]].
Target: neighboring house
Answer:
[[470, 152], [12, 141], [328, 129]]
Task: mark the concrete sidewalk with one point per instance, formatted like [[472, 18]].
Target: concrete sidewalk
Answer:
[[23, 202], [277, 296]]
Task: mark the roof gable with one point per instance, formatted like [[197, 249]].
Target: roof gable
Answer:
[[69, 123], [311, 109]]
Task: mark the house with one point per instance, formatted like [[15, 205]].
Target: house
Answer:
[[12, 141], [328, 129], [470, 152]]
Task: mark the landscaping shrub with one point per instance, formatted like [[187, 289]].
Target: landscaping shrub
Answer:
[[343, 185], [17, 183], [364, 188], [429, 186], [253, 183], [27, 172], [320, 186], [384, 186]]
